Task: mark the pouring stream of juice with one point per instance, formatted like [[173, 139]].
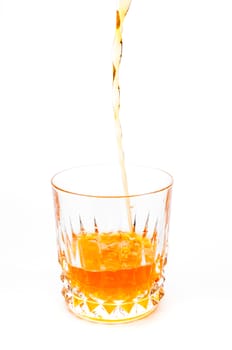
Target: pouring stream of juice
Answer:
[[123, 7]]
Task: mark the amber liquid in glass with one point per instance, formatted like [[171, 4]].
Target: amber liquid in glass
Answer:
[[115, 267]]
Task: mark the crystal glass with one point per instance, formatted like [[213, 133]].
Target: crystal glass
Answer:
[[112, 248]]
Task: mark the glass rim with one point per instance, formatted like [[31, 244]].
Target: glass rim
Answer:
[[163, 188]]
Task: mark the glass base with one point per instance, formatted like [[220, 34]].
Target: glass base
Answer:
[[116, 311]]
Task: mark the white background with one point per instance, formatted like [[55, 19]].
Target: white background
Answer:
[[55, 112]]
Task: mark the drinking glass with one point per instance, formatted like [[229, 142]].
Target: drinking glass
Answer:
[[112, 248]]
